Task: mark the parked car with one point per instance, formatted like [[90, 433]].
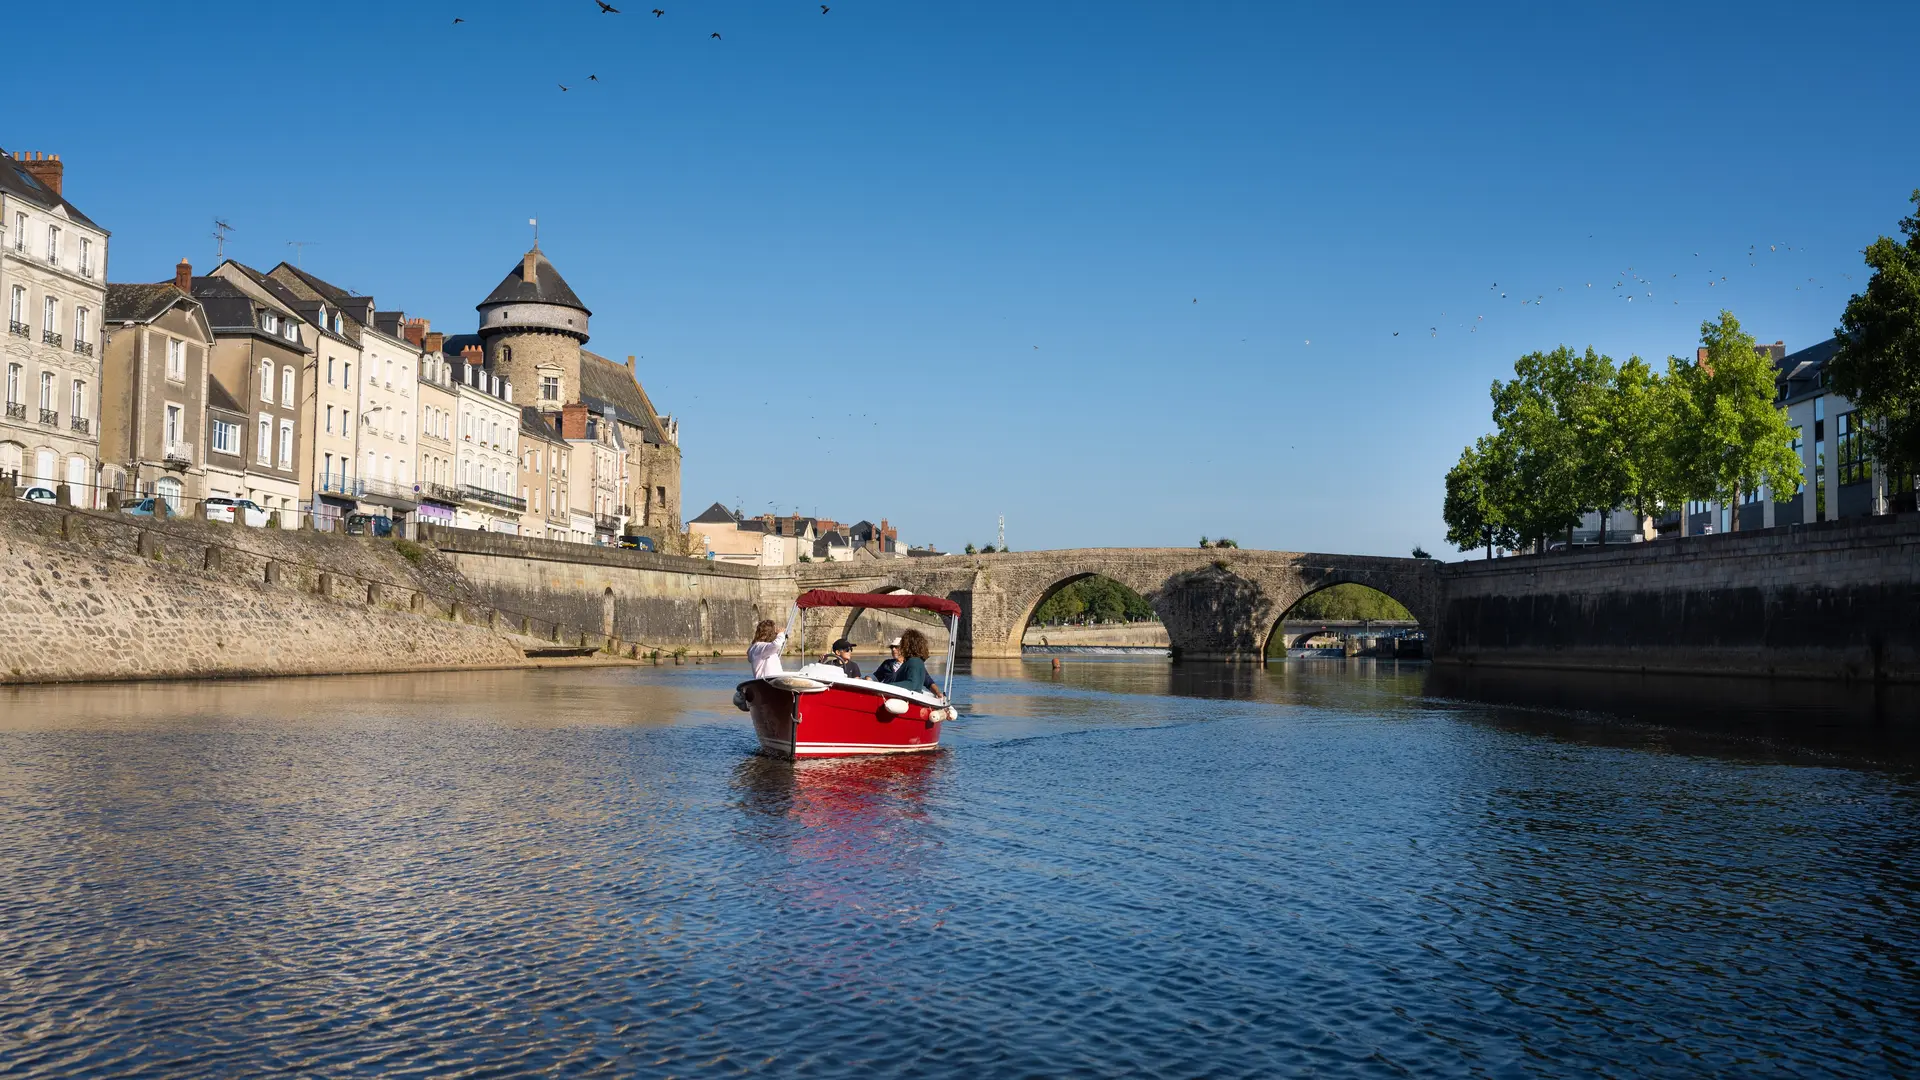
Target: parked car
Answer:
[[143, 508], [249, 513], [638, 543], [363, 524], [39, 493]]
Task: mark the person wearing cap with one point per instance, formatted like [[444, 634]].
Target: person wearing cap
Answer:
[[842, 657]]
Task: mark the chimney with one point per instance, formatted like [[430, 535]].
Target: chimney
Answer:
[[415, 331], [183, 277], [46, 169], [474, 355], [435, 340], [573, 421], [630, 368], [526, 267]]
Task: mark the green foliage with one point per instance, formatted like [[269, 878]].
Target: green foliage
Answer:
[[1348, 602], [988, 550], [409, 550], [1223, 542], [1094, 599], [1726, 434], [971, 550], [1204, 542], [1420, 552], [1877, 366], [1551, 414], [1476, 500]]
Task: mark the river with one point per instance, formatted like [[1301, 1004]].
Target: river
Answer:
[[1316, 868]]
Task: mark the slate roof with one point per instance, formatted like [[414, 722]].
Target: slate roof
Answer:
[[534, 424], [20, 184], [1799, 374], [140, 303], [605, 383], [547, 286], [715, 515]]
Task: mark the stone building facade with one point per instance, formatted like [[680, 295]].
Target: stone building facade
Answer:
[[532, 334], [153, 405], [260, 360], [53, 274]]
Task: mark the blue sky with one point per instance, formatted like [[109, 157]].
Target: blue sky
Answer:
[[940, 262]]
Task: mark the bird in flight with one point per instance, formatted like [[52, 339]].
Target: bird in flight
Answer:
[[1396, 333], [717, 37], [823, 9], [606, 8], [657, 13], [593, 78], [457, 22]]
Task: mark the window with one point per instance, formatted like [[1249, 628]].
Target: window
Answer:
[[662, 495], [549, 388], [329, 419], [346, 374], [50, 314], [286, 444], [270, 322], [12, 457], [46, 390], [169, 490], [370, 464], [386, 467], [1819, 476], [176, 359], [1799, 451], [389, 373], [263, 447], [506, 354], [266, 381], [53, 243], [80, 325], [286, 386], [77, 471], [329, 371], [19, 232], [77, 399], [1848, 441], [290, 330], [17, 307], [13, 384], [86, 257], [226, 437]]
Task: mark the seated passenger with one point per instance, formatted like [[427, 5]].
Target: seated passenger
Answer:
[[912, 672], [842, 657], [890, 667]]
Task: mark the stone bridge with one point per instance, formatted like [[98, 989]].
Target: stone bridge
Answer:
[[1217, 604]]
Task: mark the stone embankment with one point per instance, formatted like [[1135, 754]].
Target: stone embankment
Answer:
[[93, 595], [1141, 635]]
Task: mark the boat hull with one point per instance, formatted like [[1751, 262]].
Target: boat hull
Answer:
[[839, 721]]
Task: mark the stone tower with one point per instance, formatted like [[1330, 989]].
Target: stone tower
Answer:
[[532, 326]]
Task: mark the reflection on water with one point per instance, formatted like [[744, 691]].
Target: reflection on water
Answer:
[[1121, 867]]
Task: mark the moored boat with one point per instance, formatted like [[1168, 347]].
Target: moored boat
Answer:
[[820, 711]]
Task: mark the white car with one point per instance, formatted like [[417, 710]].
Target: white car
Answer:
[[39, 493], [219, 509]]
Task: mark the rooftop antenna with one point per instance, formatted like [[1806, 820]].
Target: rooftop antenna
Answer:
[[1003, 532], [300, 249], [220, 231]]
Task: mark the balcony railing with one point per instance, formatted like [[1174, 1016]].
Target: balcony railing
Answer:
[[84, 348], [334, 483], [50, 417], [604, 521], [48, 337], [441, 492], [19, 329], [16, 410], [82, 425], [388, 489], [494, 498]]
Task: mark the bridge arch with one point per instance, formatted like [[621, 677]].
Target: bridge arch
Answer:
[[1353, 605]]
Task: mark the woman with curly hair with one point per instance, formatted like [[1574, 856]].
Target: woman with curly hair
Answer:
[[912, 672], [764, 654]]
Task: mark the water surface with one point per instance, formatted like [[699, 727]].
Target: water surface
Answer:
[[1123, 868]]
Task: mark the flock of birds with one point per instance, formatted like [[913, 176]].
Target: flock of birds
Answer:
[[609, 9]]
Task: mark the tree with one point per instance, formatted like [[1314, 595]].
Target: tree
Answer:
[[1420, 552], [1552, 414], [1476, 503], [971, 551], [1223, 542], [1637, 453], [1727, 435], [1877, 366], [1204, 543]]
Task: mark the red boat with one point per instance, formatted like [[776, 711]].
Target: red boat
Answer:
[[819, 711]]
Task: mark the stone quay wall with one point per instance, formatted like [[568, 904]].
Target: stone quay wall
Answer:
[[664, 602], [1833, 600], [100, 596]]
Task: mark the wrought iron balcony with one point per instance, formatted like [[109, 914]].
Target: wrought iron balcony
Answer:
[[16, 410], [19, 329], [82, 425], [495, 498], [48, 337], [607, 522], [50, 417], [441, 492], [334, 483], [84, 348]]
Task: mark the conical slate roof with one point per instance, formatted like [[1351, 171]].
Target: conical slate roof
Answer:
[[547, 286]]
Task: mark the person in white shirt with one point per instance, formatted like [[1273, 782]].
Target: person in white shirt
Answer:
[[764, 654]]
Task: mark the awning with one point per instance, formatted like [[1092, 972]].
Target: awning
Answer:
[[827, 598]]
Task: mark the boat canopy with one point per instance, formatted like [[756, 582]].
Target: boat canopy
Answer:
[[828, 598]]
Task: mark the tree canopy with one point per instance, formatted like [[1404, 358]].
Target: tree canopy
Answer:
[[1347, 603], [1093, 599], [1877, 366]]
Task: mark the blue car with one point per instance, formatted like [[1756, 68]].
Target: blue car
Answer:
[[143, 508]]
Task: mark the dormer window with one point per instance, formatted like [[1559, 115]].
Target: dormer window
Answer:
[[270, 323], [336, 322]]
